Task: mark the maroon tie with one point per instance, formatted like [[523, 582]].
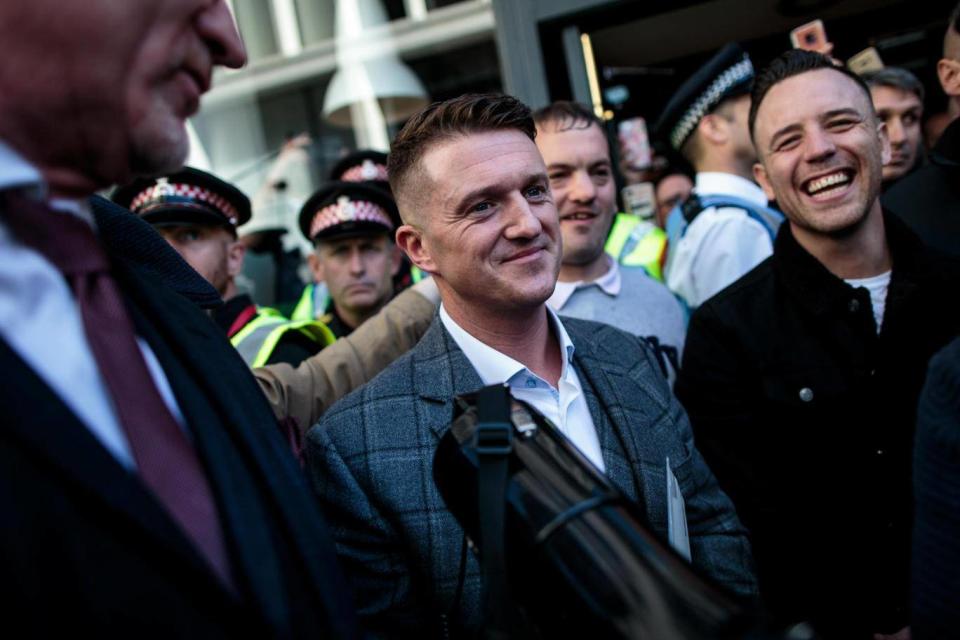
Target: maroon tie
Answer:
[[166, 460]]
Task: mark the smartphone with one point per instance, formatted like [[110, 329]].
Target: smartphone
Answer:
[[639, 199], [634, 143], [867, 61], [812, 37]]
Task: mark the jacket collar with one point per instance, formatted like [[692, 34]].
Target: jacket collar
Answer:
[[133, 241], [816, 288], [442, 371]]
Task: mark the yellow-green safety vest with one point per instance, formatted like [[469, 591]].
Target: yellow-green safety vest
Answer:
[[258, 338], [636, 242], [305, 305]]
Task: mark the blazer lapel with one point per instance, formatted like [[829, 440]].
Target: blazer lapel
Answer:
[[441, 372], [617, 441], [36, 417]]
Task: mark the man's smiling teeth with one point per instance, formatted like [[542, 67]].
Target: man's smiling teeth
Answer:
[[579, 216], [826, 182]]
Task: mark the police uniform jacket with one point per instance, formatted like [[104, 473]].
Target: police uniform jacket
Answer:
[[806, 415], [721, 244]]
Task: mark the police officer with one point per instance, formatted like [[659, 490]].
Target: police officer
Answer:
[[198, 214], [727, 228], [351, 225]]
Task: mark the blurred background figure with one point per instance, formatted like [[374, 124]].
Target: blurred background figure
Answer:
[[672, 189], [929, 199], [198, 214], [351, 225], [936, 474], [714, 242], [898, 100], [591, 284]]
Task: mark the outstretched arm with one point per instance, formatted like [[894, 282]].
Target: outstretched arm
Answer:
[[305, 392]]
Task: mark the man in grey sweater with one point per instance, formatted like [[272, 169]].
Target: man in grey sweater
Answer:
[[591, 285]]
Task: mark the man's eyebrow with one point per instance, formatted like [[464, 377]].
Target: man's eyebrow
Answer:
[[495, 191], [844, 111], [796, 126], [790, 128], [566, 165]]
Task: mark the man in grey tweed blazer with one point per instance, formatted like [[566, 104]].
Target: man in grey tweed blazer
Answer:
[[479, 217]]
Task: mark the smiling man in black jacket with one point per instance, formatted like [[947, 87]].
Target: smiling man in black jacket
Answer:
[[801, 379]]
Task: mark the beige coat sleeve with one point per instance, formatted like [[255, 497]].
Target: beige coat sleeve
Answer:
[[305, 392]]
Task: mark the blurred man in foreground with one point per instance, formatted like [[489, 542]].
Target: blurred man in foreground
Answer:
[[149, 493]]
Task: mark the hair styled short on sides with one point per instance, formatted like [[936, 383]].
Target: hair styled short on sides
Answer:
[[895, 78], [470, 113], [567, 115], [793, 63]]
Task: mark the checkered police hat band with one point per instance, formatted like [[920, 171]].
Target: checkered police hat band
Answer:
[[366, 171], [183, 194], [738, 73], [345, 210]]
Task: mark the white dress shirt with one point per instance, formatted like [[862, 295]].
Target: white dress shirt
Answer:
[[565, 407], [40, 320], [720, 245]]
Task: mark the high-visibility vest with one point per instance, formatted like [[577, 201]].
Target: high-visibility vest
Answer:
[[258, 338], [636, 242], [307, 305]]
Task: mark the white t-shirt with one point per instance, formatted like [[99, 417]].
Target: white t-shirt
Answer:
[[877, 286]]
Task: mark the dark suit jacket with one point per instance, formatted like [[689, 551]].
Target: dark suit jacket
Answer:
[[86, 549], [371, 459]]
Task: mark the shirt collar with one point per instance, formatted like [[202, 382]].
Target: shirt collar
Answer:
[[17, 173], [727, 184], [495, 367], [609, 283]]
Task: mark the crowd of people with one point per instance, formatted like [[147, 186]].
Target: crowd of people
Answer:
[[183, 462]]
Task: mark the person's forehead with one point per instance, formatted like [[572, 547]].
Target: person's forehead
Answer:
[[352, 240], [572, 143], [466, 162], [807, 95], [893, 96], [674, 182]]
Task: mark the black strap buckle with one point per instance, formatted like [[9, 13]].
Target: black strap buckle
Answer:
[[493, 439]]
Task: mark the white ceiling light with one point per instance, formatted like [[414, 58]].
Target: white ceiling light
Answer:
[[372, 86]]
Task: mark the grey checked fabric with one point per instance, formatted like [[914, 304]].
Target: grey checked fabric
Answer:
[[371, 457]]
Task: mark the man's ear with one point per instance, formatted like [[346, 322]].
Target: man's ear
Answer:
[[949, 73], [411, 241], [316, 266], [235, 253], [714, 129], [760, 175], [886, 152]]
